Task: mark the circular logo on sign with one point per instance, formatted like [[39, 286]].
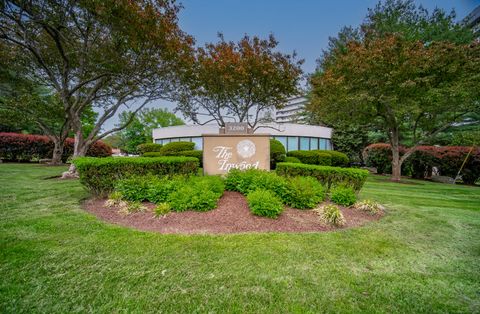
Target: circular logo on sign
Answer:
[[246, 148]]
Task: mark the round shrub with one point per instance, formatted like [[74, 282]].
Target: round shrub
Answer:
[[191, 153], [252, 179], [331, 214], [343, 195], [264, 203], [312, 157], [197, 193], [277, 153], [338, 159], [292, 159], [173, 148], [148, 148], [303, 192]]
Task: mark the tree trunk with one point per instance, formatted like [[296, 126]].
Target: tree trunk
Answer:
[[80, 148], [396, 162], [57, 151]]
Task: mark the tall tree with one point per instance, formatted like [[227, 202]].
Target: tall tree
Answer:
[[100, 54], [415, 81], [402, 86], [239, 80]]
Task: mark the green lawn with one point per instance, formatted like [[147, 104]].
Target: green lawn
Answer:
[[424, 256]]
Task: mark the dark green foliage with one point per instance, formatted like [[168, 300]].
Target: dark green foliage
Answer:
[[136, 188], [339, 159], [252, 179], [312, 157], [160, 188], [173, 148], [99, 175], [197, 193], [350, 139], [264, 203], [292, 160], [152, 154], [277, 153], [343, 195], [191, 153], [303, 192], [328, 176], [148, 147]]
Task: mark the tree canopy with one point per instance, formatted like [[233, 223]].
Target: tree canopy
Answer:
[[239, 81], [399, 73]]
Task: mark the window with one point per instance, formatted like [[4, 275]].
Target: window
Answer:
[[292, 143], [313, 143], [329, 144], [283, 140], [198, 142], [165, 141], [158, 141], [304, 143], [323, 144]]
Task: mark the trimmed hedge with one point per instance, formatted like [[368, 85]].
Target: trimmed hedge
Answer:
[[277, 153], [173, 148], [328, 176], [191, 153], [148, 148], [152, 154], [338, 159], [312, 157], [292, 160], [99, 175], [27, 147]]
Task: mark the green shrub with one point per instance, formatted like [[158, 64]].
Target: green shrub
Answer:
[[303, 192], [161, 209], [369, 206], [343, 195], [338, 159], [197, 193], [312, 157], [252, 179], [134, 189], [160, 188], [331, 214], [148, 148], [294, 160], [152, 154], [191, 153], [264, 203], [172, 148], [277, 153], [99, 175], [328, 176]]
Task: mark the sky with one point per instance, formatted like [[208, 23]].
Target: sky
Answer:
[[303, 26]]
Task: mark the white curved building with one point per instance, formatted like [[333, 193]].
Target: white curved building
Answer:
[[292, 136]]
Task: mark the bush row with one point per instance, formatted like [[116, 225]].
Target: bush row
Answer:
[[447, 159], [320, 157], [26, 147], [148, 148], [328, 176], [99, 175]]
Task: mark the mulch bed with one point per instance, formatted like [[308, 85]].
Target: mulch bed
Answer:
[[231, 216]]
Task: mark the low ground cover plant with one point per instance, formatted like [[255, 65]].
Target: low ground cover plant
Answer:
[[303, 192], [343, 195], [264, 203], [197, 193], [331, 214], [369, 206], [328, 176], [99, 175]]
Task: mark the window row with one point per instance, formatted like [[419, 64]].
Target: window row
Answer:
[[303, 143], [289, 142]]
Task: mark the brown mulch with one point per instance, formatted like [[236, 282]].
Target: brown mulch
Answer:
[[231, 216]]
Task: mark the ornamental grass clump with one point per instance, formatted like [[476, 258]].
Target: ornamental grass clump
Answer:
[[343, 195], [369, 206], [264, 203], [303, 192], [161, 209], [331, 214]]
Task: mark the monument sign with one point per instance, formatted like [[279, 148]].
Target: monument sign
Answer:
[[235, 149]]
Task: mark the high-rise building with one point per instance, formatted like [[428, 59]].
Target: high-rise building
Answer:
[[472, 20], [293, 111]]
